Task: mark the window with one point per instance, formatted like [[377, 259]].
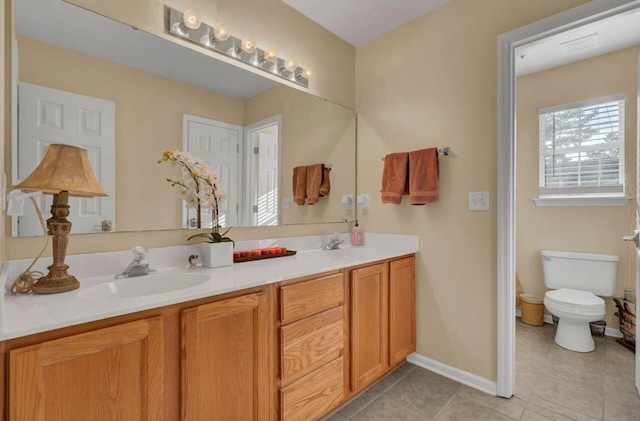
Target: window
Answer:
[[582, 149]]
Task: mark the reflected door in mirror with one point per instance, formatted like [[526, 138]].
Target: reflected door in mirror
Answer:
[[218, 144], [52, 116]]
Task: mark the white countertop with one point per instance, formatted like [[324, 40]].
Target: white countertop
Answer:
[[28, 314]]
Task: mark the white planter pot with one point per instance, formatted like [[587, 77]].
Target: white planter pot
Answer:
[[215, 255]]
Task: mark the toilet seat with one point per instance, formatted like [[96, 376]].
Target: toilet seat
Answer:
[[575, 298], [574, 302]]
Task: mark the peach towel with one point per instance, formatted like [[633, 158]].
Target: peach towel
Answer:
[[423, 176], [314, 181], [299, 185], [394, 177], [325, 185]]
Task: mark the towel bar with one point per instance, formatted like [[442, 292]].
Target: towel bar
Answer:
[[443, 151]]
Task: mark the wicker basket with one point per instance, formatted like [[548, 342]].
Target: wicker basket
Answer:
[[532, 309]]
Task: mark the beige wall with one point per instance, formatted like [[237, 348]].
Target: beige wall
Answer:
[[271, 22], [432, 82], [591, 229], [149, 112], [313, 131]]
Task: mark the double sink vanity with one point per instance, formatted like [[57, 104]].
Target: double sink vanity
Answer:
[[289, 338]]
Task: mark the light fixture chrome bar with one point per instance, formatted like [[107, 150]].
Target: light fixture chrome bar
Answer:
[[231, 47]]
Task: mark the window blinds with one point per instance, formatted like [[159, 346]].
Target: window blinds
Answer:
[[582, 148]]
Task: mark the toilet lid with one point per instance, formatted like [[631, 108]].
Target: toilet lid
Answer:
[[575, 297]]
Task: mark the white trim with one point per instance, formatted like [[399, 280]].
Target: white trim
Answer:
[[615, 333], [581, 104], [582, 201], [461, 376], [581, 15], [247, 187]]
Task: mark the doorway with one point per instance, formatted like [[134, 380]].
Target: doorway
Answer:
[[531, 35], [262, 151]]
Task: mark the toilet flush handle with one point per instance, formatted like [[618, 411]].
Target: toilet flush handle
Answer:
[[635, 238]]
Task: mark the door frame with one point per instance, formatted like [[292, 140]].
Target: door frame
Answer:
[[248, 165], [506, 193]]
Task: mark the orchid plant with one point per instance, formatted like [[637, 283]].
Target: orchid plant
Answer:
[[200, 189]]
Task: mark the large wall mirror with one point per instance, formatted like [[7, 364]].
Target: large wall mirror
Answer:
[[128, 96]]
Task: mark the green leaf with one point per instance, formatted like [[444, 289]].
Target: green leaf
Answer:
[[205, 235]]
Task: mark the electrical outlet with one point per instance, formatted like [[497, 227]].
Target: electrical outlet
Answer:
[[479, 201], [286, 202]]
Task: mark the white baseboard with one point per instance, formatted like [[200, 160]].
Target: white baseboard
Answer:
[[461, 376], [609, 331]]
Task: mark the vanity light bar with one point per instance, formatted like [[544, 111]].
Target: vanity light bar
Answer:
[[244, 50]]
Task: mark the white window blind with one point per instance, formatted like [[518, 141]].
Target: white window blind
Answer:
[[582, 148]]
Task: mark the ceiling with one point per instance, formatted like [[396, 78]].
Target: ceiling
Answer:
[[605, 36], [360, 21]]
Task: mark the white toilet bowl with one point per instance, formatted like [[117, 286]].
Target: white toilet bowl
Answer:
[[578, 280], [575, 309]]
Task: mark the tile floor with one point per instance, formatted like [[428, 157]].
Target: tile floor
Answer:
[[551, 384]]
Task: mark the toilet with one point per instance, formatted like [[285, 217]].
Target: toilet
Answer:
[[577, 281]]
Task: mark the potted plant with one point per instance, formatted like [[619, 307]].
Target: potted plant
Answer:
[[199, 187]]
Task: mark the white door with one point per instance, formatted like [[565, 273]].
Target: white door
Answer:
[[637, 231], [218, 144], [47, 116], [267, 210]]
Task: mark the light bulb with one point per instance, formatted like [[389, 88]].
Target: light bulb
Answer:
[[221, 32], [192, 19], [291, 64], [306, 73], [248, 45], [270, 54]]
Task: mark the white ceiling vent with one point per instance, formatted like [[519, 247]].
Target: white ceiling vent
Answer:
[[579, 45]]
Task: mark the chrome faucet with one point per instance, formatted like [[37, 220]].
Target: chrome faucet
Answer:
[[334, 242], [139, 265]]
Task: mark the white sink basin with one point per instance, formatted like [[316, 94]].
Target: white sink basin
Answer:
[[141, 286]]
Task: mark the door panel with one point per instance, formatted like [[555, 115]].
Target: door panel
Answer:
[[369, 325], [217, 144], [111, 373], [51, 116], [225, 355]]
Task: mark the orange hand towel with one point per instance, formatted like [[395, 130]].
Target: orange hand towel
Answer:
[[325, 185], [394, 177], [299, 185], [314, 180], [423, 176]]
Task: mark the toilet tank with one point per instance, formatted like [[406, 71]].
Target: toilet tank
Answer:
[[583, 271]]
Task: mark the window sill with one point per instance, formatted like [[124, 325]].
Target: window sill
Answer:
[[582, 201]]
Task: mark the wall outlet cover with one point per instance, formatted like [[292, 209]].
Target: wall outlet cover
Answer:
[[286, 202], [479, 201]]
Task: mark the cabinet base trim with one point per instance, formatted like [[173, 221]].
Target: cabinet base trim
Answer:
[[461, 376]]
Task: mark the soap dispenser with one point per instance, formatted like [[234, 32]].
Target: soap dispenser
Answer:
[[356, 235]]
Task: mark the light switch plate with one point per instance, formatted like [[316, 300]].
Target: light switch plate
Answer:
[[479, 201]]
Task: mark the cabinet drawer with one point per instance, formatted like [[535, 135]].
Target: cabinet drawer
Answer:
[[313, 395], [306, 298], [312, 342]]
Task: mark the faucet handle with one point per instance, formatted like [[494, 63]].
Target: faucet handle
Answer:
[[139, 252]]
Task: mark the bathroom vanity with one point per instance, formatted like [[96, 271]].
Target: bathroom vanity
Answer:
[[302, 336]]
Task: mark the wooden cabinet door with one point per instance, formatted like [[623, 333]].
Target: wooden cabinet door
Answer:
[[108, 374], [369, 324], [402, 309], [226, 360]]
